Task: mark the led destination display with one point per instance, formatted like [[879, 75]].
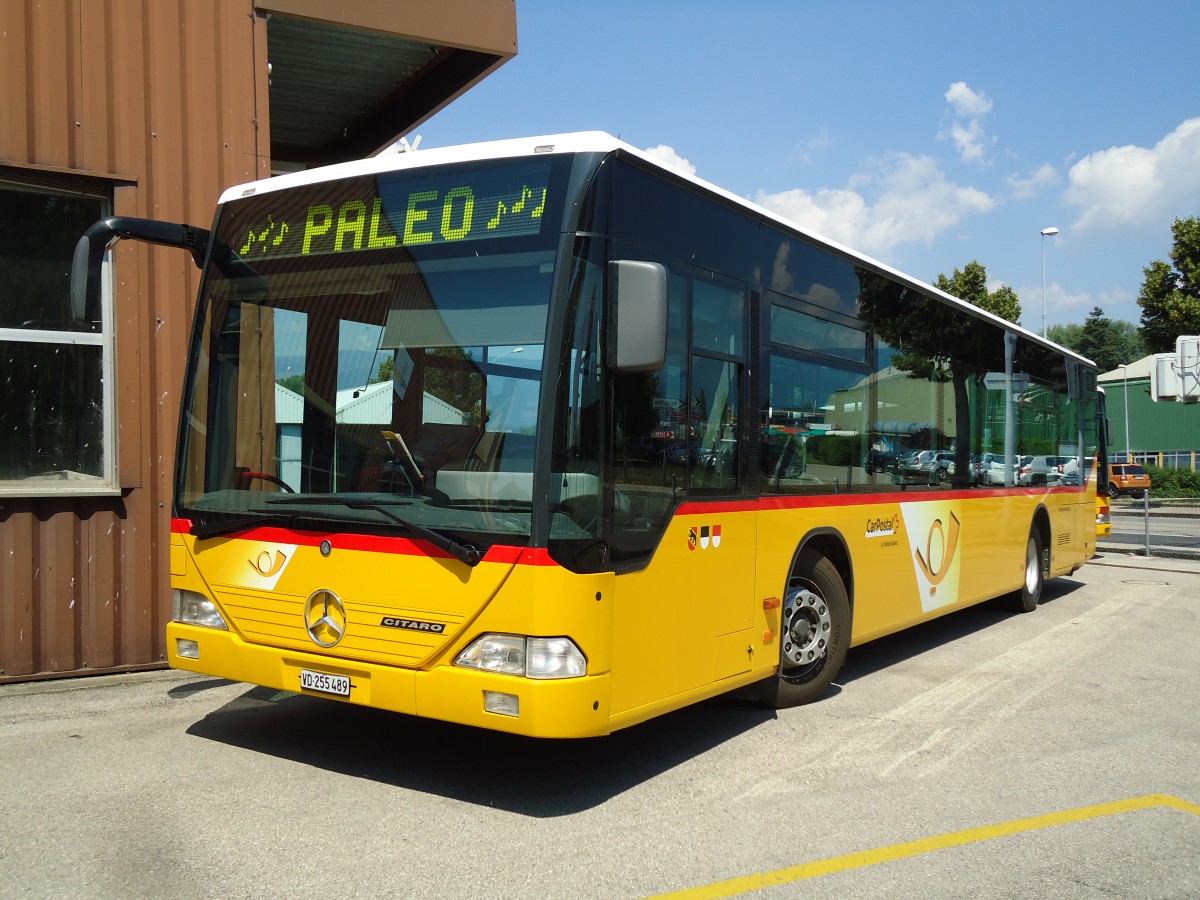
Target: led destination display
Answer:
[[399, 210]]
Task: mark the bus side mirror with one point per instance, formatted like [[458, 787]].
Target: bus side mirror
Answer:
[[638, 337], [85, 272], [90, 250]]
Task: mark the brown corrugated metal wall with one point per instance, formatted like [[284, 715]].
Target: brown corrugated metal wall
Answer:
[[166, 100]]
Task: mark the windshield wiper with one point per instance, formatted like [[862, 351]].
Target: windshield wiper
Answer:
[[217, 527], [464, 553], [492, 505]]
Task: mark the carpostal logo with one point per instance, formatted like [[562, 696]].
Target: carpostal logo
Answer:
[[704, 536], [883, 527]]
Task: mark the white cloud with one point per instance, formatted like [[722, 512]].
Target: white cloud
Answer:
[[970, 139], [1131, 185], [1061, 305], [913, 203], [667, 154], [966, 131], [966, 102], [1024, 188], [805, 149]]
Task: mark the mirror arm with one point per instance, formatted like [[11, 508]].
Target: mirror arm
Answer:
[[90, 250]]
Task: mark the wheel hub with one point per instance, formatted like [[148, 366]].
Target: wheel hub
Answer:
[[806, 627], [1033, 568]]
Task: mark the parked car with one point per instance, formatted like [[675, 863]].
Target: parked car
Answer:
[[881, 461], [1041, 469], [990, 468], [1127, 478], [943, 463], [1069, 470], [928, 465]]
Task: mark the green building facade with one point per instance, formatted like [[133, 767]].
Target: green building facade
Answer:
[[1160, 433]]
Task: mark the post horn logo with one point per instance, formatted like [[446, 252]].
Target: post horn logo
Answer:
[[267, 567], [948, 540], [325, 618]]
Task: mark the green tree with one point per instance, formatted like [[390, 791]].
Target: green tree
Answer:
[[938, 344], [1170, 297], [386, 368], [1108, 343], [1069, 336], [294, 383], [970, 284]]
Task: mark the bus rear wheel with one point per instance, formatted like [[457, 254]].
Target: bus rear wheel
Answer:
[[814, 633], [1026, 598]]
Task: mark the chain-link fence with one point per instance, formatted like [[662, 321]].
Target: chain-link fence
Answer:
[[1155, 525]]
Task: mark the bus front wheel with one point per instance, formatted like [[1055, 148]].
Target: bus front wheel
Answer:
[[814, 633]]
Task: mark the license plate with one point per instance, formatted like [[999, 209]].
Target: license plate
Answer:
[[324, 683]]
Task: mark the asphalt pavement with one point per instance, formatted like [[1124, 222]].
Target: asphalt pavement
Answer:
[[980, 755]]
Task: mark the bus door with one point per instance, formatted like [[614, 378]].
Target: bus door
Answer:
[[685, 593]]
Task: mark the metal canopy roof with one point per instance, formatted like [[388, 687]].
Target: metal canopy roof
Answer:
[[338, 92]]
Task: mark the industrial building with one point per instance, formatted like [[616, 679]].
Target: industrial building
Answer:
[[1161, 433], [150, 108]]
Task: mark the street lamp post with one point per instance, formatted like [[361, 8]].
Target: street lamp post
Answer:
[[1045, 232], [1125, 380], [506, 353]]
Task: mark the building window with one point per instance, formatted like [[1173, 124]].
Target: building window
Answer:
[[56, 361]]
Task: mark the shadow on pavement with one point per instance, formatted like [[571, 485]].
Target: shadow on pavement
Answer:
[[202, 683], [538, 778], [879, 654]]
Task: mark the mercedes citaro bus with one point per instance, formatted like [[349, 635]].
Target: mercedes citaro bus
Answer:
[[548, 437]]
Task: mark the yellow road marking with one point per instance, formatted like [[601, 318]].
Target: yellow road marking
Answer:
[[864, 858]]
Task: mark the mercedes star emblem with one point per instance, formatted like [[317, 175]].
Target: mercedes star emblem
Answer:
[[325, 618]]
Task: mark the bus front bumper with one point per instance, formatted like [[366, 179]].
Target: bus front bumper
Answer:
[[560, 708]]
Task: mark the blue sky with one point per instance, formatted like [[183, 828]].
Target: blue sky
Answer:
[[925, 134]]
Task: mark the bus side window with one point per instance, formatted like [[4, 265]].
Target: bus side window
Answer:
[[648, 427], [812, 427], [716, 385]]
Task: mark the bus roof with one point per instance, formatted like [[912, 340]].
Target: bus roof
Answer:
[[602, 143]]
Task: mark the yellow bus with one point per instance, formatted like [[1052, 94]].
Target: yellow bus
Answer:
[[546, 437]]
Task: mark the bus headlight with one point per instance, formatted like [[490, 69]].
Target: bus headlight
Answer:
[[501, 653], [532, 657], [195, 609], [553, 658]]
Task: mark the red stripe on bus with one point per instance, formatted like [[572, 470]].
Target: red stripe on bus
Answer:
[[498, 553]]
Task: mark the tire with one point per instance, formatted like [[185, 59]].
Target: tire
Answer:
[[1113, 492], [1026, 598], [814, 633]]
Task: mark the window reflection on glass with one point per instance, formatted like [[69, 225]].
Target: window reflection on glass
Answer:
[[805, 332], [51, 420], [38, 232], [54, 359], [718, 315], [812, 427], [716, 391]]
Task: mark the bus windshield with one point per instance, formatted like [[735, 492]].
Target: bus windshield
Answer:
[[368, 354]]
